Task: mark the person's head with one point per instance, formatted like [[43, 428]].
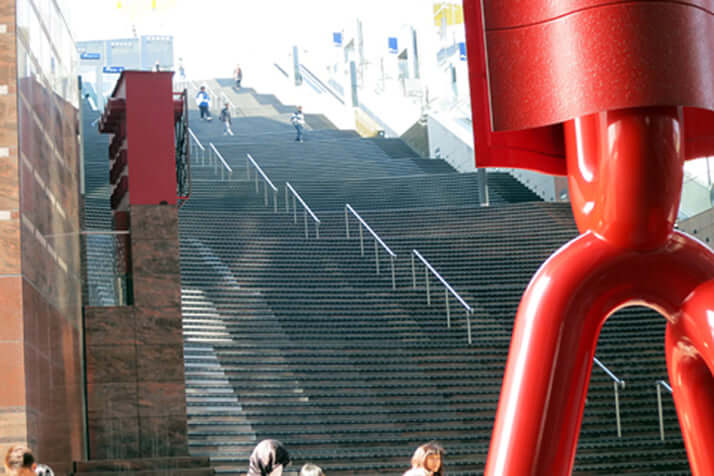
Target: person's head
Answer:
[[268, 458], [430, 457], [299, 108], [226, 105], [19, 461], [203, 88], [311, 470], [43, 470]]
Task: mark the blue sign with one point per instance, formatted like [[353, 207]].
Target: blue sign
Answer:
[[90, 56], [113, 69], [462, 51], [392, 41], [337, 39]]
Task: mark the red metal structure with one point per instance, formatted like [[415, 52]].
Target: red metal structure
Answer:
[[141, 115], [616, 95]]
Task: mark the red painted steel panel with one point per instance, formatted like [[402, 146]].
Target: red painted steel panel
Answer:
[[516, 13], [150, 137], [551, 61]]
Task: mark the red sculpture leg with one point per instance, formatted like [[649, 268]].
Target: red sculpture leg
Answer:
[[625, 174], [549, 364], [690, 359]]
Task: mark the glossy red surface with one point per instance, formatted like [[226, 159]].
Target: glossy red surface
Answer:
[[625, 171], [690, 359]]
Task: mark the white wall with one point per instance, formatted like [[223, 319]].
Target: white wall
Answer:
[[451, 141]]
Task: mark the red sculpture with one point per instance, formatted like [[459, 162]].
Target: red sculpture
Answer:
[[616, 95]]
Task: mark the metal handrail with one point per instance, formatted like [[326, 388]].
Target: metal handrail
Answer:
[[266, 181], [447, 289], [197, 143], [617, 382], [226, 167], [377, 239], [306, 209], [660, 384]]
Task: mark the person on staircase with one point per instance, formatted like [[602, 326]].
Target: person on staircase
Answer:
[[298, 121], [19, 461], [203, 100], [238, 76], [429, 457], [225, 118], [311, 470], [268, 458]]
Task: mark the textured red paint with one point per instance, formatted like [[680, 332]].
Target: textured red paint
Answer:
[[553, 61]]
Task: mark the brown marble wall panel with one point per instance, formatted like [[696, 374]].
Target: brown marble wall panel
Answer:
[[8, 116], [152, 329], [12, 368], [159, 326], [154, 222], [160, 363], [52, 358], [13, 425], [112, 400], [13, 398], [9, 188], [162, 437], [151, 291], [111, 438], [155, 270], [111, 364], [161, 399], [11, 305], [10, 245], [104, 326]]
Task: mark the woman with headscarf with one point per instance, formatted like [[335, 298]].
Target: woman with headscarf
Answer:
[[269, 458]]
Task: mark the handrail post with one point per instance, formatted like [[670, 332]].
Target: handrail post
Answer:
[[426, 279], [468, 324], [275, 201], [287, 202], [617, 410], [394, 277], [361, 240], [257, 186], [413, 273], [247, 168], [659, 411], [265, 193], [347, 224], [317, 230], [376, 256], [305, 217], [294, 211], [448, 312]]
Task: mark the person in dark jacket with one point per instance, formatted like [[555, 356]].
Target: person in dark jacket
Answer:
[[225, 118], [268, 458]]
